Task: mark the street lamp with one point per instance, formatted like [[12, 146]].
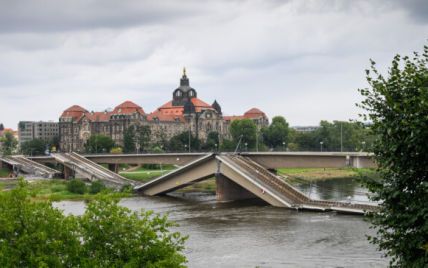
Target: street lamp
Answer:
[[246, 147], [363, 145], [185, 147], [321, 143], [283, 145], [216, 145]]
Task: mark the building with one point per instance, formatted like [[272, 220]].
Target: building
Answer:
[[29, 130], [184, 112]]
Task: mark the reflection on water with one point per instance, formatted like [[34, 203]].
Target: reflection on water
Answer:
[[340, 189], [253, 234]]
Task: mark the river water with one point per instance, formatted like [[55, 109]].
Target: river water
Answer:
[[253, 234]]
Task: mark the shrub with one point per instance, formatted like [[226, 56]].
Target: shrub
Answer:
[[76, 186], [35, 234], [96, 187]]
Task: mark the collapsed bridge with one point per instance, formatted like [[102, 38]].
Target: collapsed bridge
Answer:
[[239, 177]]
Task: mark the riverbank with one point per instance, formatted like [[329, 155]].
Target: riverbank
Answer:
[[56, 190], [315, 174]]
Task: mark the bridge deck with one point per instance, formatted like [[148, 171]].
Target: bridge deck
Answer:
[[28, 166], [91, 170]]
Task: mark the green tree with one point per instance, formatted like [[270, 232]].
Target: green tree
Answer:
[[99, 143], [276, 135], [134, 239], [142, 137], [212, 142], [246, 129], [34, 147], [397, 105], [34, 234], [180, 142], [129, 140], [8, 142]]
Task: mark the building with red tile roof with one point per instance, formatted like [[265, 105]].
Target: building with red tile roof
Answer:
[[185, 112]]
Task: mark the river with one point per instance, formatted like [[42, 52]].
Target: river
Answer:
[[253, 234]]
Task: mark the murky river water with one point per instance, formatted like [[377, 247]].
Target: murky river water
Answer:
[[253, 234]]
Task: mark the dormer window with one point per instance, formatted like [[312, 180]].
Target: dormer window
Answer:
[[178, 93]]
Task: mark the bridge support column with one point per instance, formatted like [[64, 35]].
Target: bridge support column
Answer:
[[228, 190], [113, 167], [68, 173]]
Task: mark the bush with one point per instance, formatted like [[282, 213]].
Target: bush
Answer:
[[96, 187], [127, 188], [35, 234], [76, 186]]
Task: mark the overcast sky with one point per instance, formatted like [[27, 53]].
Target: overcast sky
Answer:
[[300, 59]]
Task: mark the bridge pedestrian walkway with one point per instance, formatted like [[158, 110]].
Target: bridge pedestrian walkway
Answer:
[[91, 170], [22, 164]]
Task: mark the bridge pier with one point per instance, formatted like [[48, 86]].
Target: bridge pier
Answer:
[[113, 167], [228, 190], [68, 173]]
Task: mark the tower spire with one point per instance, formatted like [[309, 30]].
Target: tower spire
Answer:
[[184, 71]]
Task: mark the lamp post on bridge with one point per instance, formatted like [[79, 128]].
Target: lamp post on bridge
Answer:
[[283, 146], [321, 144]]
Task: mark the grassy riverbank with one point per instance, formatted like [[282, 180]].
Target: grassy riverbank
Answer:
[[313, 174], [4, 173], [56, 190]]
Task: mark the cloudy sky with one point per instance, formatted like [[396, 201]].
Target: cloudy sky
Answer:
[[301, 59]]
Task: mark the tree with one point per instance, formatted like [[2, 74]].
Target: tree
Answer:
[[9, 143], [136, 138], [246, 129], [129, 140], [99, 143], [212, 142], [276, 135], [180, 142], [35, 234], [397, 106], [142, 137], [34, 147]]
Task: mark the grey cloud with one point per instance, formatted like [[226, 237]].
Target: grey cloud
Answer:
[[54, 15]]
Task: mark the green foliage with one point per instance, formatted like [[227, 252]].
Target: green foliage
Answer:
[[398, 107], [276, 135], [76, 186], [116, 150], [212, 142], [227, 145], [246, 129], [34, 147], [8, 143], [136, 138], [129, 140], [96, 187], [99, 143], [356, 136], [180, 142], [34, 234]]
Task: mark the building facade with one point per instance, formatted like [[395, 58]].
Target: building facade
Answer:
[[184, 112], [29, 130]]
